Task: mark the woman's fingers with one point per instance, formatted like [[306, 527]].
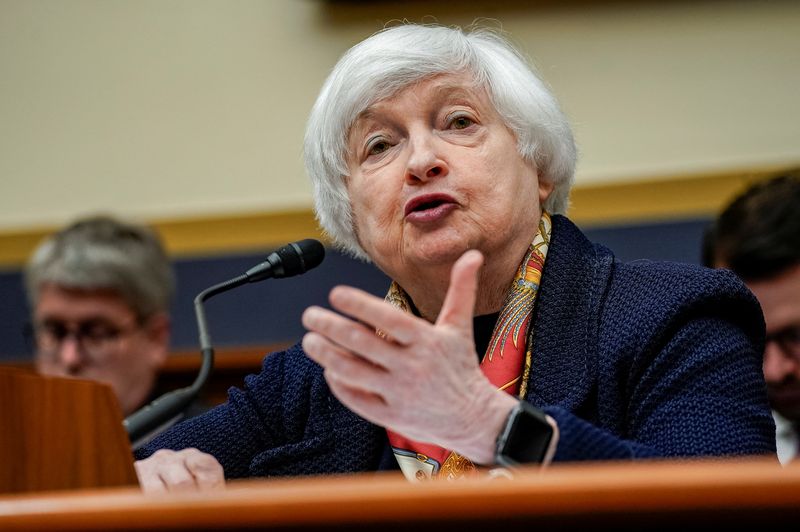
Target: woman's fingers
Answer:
[[355, 371], [421, 379], [370, 406], [149, 479], [403, 328], [185, 470], [459, 303], [206, 470], [353, 336]]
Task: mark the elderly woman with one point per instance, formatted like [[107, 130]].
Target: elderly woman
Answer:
[[506, 337]]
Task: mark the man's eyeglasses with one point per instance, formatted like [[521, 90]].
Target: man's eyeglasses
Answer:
[[95, 338], [788, 340]]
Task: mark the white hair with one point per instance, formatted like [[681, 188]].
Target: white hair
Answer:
[[394, 58]]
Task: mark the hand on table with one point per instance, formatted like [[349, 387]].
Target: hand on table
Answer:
[[174, 471]]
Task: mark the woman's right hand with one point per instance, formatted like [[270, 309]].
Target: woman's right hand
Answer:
[[174, 471]]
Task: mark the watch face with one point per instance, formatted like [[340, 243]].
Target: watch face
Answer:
[[527, 437]]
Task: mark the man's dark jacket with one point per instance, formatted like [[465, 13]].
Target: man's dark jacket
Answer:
[[633, 360]]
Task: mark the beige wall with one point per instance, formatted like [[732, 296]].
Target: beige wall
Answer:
[[164, 109]]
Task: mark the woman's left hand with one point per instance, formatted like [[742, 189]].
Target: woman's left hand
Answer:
[[422, 380]]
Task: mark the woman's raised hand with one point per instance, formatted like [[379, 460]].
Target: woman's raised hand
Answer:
[[421, 380]]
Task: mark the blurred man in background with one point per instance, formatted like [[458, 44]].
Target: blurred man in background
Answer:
[[100, 292], [758, 237]]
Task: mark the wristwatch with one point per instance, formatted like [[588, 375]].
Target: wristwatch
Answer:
[[526, 438]]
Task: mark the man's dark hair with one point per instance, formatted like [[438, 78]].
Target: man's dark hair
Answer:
[[758, 234]]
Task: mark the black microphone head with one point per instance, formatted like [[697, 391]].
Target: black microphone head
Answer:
[[299, 257], [291, 259]]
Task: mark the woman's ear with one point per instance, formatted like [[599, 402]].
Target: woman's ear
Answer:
[[545, 189]]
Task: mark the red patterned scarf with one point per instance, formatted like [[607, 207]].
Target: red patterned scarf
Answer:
[[507, 362]]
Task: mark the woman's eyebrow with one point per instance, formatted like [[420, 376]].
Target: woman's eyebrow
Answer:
[[373, 115], [366, 121]]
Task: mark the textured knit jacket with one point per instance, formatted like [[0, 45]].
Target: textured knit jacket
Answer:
[[632, 360]]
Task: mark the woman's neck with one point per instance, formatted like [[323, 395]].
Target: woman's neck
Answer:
[[494, 280]]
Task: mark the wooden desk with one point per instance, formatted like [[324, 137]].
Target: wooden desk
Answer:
[[58, 433], [629, 496]]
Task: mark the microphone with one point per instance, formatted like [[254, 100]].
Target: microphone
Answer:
[[292, 259]]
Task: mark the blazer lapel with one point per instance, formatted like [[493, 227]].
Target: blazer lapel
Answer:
[[565, 322]]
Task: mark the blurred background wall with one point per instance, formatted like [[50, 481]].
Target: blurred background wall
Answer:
[[189, 114]]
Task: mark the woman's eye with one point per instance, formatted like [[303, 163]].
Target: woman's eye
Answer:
[[377, 147], [461, 122]]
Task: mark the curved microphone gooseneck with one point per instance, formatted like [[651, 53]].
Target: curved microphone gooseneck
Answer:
[[292, 259]]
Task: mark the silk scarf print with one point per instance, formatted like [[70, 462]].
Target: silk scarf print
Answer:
[[506, 363]]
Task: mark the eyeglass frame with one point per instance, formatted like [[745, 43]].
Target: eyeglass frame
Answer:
[[80, 333], [787, 339]]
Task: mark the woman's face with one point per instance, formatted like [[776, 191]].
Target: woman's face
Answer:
[[434, 171]]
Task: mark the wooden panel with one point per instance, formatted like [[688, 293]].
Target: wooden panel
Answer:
[[60, 434], [626, 496], [660, 199], [202, 235]]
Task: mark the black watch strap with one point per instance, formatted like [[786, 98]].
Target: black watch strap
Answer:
[[525, 438]]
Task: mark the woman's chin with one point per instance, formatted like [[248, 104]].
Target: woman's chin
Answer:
[[436, 253]]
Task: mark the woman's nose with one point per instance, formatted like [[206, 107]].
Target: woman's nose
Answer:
[[424, 161]]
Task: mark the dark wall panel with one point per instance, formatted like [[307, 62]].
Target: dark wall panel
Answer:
[[270, 311], [671, 241], [264, 312]]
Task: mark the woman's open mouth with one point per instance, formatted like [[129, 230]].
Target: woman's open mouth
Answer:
[[429, 208]]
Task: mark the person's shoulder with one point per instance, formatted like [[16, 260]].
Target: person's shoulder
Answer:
[[291, 360], [677, 280], [661, 292], [286, 375], [641, 281]]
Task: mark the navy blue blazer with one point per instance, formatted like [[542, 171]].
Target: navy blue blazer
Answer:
[[632, 360]]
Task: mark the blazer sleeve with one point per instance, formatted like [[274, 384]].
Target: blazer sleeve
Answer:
[[249, 422], [677, 375]]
